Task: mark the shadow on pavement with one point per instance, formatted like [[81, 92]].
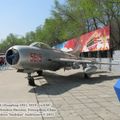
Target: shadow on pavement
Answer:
[[57, 84]]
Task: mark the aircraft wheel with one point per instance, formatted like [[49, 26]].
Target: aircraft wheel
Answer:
[[31, 82], [40, 73], [86, 76]]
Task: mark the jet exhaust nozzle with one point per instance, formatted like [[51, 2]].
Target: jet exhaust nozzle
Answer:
[[12, 56]]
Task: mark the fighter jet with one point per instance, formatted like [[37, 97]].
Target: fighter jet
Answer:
[[39, 56]]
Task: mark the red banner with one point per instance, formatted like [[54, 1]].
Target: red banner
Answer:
[[97, 40]]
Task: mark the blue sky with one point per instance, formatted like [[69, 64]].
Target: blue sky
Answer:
[[21, 16]]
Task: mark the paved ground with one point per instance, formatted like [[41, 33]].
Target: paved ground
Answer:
[[74, 97]]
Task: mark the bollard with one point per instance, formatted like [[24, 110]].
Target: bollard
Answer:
[[117, 89]]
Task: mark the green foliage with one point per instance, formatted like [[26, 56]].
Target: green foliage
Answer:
[[29, 38], [69, 20]]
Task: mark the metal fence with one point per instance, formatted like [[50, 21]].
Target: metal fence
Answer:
[[115, 59], [4, 67]]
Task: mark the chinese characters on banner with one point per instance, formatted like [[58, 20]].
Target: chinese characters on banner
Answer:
[[97, 40]]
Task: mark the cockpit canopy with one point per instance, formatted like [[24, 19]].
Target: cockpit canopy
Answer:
[[40, 45]]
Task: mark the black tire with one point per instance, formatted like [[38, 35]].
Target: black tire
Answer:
[[31, 82], [40, 73], [86, 76]]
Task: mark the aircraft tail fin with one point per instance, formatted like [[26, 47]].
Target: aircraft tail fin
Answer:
[[76, 50]]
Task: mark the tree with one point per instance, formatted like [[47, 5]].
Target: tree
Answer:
[[72, 19], [30, 37]]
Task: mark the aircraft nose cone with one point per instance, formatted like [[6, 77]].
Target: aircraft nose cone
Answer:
[[12, 56]]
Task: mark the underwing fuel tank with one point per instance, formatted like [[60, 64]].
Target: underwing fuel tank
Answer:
[[90, 69]]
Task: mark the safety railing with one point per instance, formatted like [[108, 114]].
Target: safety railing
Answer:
[[4, 67]]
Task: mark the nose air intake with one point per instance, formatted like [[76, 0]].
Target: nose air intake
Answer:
[[12, 56]]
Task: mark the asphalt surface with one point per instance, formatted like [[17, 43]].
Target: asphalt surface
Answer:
[[72, 96]]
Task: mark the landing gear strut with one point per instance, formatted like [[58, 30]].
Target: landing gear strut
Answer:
[[40, 72], [31, 81], [86, 76]]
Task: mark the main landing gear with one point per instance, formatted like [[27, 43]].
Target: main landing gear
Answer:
[[86, 76]]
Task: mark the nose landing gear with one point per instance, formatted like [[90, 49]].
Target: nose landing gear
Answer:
[[31, 80], [40, 72]]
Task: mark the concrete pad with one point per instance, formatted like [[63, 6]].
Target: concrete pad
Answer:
[[73, 96], [14, 87]]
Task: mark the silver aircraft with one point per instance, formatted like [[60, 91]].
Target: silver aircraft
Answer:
[[39, 56]]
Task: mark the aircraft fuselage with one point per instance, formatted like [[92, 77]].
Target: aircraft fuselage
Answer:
[[34, 59]]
